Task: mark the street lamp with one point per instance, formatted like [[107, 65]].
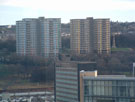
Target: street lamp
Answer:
[[133, 69]]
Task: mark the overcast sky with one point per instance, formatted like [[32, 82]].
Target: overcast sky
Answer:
[[13, 10]]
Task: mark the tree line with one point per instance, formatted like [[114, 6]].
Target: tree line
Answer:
[[32, 68], [35, 69], [114, 63]]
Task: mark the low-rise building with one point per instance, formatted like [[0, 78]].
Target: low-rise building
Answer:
[[106, 88], [73, 84], [67, 82]]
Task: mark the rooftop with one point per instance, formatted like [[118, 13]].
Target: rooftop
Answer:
[[95, 76], [108, 78]]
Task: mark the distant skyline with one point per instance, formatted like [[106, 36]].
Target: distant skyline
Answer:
[[116, 10]]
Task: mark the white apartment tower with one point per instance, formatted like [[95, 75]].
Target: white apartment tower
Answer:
[[38, 37]]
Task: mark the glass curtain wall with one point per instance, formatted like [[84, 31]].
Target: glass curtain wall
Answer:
[[109, 91]]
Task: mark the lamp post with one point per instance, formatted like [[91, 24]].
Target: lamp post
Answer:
[[133, 69]]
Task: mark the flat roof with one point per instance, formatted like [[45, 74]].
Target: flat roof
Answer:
[[108, 78], [112, 76]]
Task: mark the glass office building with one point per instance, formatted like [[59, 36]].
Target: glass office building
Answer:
[[73, 84], [66, 86], [108, 89], [67, 80]]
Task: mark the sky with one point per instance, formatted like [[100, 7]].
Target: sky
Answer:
[[116, 10]]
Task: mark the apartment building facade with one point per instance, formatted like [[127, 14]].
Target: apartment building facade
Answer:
[[102, 35], [90, 35], [26, 37], [38, 37]]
